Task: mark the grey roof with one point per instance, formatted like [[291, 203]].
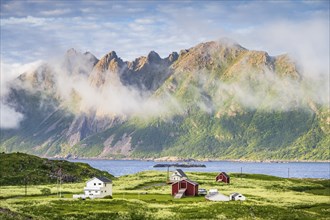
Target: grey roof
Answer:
[[193, 182], [181, 173], [104, 179], [234, 194]]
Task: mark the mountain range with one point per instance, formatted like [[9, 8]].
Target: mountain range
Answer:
[[215, 100]]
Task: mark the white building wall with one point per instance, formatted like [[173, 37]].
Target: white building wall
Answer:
[[97, 188], [176, 177], [94, 183]]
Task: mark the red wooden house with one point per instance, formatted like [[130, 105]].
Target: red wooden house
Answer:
[[184, 187], [222, 177]]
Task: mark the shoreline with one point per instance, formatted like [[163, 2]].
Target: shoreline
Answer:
[[191, 160]]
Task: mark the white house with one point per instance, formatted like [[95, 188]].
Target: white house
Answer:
[[97, 187], [178, 175], [237, 196]]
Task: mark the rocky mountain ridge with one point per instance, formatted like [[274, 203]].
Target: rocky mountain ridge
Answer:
[[216, 100]]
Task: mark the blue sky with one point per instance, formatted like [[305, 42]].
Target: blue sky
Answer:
[[40, 29]]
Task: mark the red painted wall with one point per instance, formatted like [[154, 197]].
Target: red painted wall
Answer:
[[192, 190], [222, 178], [175, 188]]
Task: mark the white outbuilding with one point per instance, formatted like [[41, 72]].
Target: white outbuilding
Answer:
[[237, 196], [97, 187]]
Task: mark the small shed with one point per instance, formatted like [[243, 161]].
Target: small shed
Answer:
[[177, 175], [184, 187], [237, 196], [222, 177]]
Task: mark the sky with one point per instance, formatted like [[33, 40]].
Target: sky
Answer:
[[40, 29]]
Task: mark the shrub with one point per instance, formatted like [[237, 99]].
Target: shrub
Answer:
[[45, 191]]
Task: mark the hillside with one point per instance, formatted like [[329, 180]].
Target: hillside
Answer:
[[20, 168], [215, 100]]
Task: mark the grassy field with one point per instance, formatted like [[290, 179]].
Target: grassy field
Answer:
[[145, 196]]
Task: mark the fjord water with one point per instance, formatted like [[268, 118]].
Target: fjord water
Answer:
[[291, 169]]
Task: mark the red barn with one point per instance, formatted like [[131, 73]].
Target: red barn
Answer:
[[222, 177], [184, 187]]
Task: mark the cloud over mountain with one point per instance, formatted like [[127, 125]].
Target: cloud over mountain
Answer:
[[214, 97]]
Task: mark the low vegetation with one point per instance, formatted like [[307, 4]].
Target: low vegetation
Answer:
[[144, 196], [20, 169]]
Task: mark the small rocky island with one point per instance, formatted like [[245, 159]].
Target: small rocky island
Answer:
[[186, 165]]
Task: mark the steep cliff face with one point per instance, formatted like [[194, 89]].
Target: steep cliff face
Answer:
[[214, 100]]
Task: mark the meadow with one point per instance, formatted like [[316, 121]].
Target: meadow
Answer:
[[146, 196]]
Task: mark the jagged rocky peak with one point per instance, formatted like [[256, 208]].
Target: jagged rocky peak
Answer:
[[211, 54], [71, 52], [286, 67], [183, 52], [221, 46], [258, 60], [90, 57], [153, 57], [76, 62], [111, 55], [173, 57], [73, 56], [40, 78], [109, 62], [74, 53]]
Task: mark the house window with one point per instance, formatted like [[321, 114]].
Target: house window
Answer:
[[94, 184], [105, 191], [90, 191], [100, 183]]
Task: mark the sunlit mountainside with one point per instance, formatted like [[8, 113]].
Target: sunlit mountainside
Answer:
[[216, 100]]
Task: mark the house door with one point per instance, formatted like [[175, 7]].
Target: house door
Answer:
[[183, 185]]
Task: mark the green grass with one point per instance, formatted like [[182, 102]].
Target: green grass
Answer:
[[19, 168], [140, 196]]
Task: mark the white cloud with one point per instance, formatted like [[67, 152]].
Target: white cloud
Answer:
[[306, 41], [30, 20], [10, 71], [56, 12], [9, 117], [145, 21]]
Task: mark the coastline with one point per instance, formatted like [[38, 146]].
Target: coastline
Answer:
[[189, 160]]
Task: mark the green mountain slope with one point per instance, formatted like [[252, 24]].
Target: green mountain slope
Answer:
[[20, 168], [215, 100]]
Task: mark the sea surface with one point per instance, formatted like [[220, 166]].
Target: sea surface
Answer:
[[291, 169]]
